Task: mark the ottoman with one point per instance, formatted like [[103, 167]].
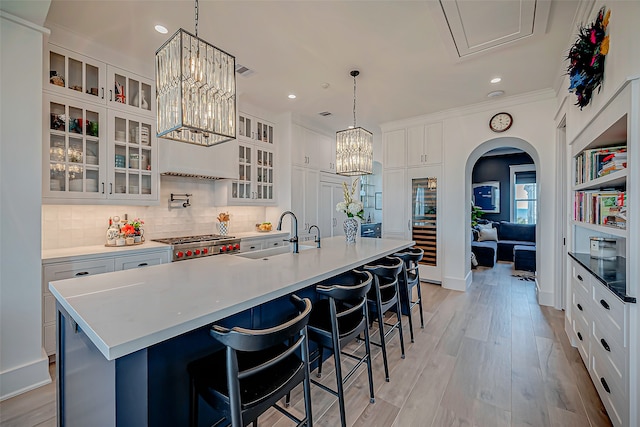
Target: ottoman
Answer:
[[524, 258]]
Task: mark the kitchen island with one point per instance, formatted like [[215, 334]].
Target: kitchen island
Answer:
[[124, 338]]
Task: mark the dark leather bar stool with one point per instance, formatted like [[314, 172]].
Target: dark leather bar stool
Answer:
[[255, 370], [338, 319], [410, 279], [385, 295]]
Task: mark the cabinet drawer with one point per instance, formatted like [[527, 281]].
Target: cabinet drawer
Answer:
[[612, 312], [581, 306], [71, 269], [248, 246], [276, 241], [581, 279], [143, 260], [612, 396], [581, 332], [610, 351]]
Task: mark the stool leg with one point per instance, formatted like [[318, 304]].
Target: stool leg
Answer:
[[367, 347], [320, 351], [382, 343], [409, 312], [193, 407], [420, 303], [399, 313], [339, 383]]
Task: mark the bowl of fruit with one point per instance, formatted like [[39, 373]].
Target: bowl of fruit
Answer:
[[263, 227]]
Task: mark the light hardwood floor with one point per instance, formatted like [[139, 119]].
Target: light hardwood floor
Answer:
[[488, 357]]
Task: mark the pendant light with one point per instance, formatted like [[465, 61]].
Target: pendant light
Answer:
[[195, 90], [354, 146]]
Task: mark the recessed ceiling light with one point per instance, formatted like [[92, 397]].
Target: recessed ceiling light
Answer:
[[292, 96], [161, 29], [496, 80], [495, 94]]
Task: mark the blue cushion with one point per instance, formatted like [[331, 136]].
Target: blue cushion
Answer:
[[518, 232]]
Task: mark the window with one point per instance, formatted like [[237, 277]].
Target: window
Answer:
[[524, 191]]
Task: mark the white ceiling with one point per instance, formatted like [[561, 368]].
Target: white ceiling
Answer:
[[404, 49]]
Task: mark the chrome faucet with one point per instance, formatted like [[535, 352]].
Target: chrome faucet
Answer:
[[294, 224], [317, 235]]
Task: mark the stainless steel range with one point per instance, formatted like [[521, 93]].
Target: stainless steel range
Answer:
[[200, 246]]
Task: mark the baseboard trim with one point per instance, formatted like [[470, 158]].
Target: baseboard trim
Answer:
[[544, 298], [457, 284], [21, 379]]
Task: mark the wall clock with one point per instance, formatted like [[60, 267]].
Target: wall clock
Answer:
[[500, 122]]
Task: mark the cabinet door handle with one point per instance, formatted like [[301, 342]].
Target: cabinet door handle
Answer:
[[82, 273], [579, 336], [605, 385], [110, 95], [102, 93], [579, 277], [111, 188], [579, 307], [605, 345], [605, 304], [102, 187], [143, 264], [252, 247]]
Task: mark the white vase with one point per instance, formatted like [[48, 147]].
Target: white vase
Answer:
[[350, 229]]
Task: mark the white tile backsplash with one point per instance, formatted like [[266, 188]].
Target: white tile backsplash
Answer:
[[65, 226]]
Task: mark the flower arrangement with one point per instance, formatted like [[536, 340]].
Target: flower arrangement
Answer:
[[351, 206], [128, 230], [586, 70], [137, 224]]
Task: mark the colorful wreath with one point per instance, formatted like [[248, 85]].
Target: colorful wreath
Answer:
[[587, 55]]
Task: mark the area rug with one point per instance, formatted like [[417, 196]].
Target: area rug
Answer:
[[524, 275]]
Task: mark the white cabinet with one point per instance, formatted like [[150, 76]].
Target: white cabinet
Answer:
[[60, 271], [92, 153], [71, 74], [256, 161], [602, 319], [129, 92], [395, 199], [304, 199], [424, 145], [394, 149], [75, 149], [52, 271], [312, 149], [331, 192]]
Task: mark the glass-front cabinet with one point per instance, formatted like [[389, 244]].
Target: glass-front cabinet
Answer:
[[129, 92], [94, 154], [72, 74], [75, 148], [256, 160]]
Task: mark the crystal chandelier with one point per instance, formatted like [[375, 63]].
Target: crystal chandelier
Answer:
[[195, 90], [354, 146]]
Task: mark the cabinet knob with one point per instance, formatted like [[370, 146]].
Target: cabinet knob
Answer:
[[82, 273], [605, 304], [605, 345], [579, 277], [579, 307], [143, 264], [605, 385], [579, 336]]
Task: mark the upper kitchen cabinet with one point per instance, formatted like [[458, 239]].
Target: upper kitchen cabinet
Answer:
[[312, 150], [256, 160], [69, 73], [394, 149], [129, 92], [255, 129], [424, 145], [92, 153], [75, 149]]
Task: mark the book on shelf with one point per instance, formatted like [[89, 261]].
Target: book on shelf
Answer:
[[597, 162], [601, 207]]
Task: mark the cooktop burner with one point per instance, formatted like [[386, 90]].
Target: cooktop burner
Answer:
[[193, 239]]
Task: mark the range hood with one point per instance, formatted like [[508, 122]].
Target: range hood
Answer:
[[193, 161]]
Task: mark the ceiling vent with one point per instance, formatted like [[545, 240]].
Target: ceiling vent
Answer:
[[325, 113], [244, 71]]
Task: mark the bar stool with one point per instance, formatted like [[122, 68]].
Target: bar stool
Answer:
[[338, 319], [410, 279], [254, 370], [385, 295]]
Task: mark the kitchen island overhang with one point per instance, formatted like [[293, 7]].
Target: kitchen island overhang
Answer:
[[124, 314]]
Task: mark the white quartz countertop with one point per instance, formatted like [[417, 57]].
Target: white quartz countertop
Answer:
[[82, 252], [126, 311]]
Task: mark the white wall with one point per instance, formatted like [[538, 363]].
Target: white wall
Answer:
[[23, 364]]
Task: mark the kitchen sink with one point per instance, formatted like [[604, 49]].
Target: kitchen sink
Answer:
[[271, 252]]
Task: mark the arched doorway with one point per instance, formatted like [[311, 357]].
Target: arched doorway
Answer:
[[482, 149]]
